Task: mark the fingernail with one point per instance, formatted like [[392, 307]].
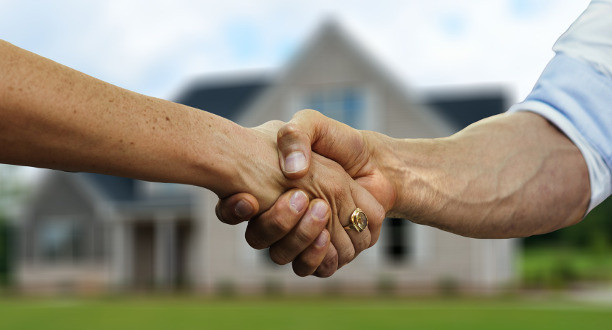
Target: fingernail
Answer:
[[295, 162], [321, 240], [298, 201], [243, 209], [319, 210]]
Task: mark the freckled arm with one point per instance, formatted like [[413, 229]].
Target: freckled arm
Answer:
[[54, 117]]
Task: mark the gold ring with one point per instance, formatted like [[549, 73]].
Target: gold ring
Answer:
[[359, 221]]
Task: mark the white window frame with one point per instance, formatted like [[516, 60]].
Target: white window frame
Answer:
[[372, 113]]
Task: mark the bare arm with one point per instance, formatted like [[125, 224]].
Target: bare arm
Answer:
[[510, 175], [55, 117]]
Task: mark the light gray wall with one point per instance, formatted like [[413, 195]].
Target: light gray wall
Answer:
[[439, 256]]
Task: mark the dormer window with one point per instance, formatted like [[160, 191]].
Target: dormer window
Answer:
[[347, 104]]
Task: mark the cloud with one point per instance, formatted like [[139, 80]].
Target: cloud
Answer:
[[153, 47]]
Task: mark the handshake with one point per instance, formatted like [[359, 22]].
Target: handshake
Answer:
[[336, 200]]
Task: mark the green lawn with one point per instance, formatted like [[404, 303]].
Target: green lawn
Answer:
[[306, 313], [549, 267]]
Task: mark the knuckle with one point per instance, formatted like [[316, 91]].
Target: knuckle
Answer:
[[303, 237], [279, 255], [373, 241], [362, 244], [288, 130], [254, 240], [335, 188], [301, 272], [345, 255], [278, 224], [276, 122], [308, 113], [311, 263], [379, 215], [328, 267], [227, 219], [303, 268], [272, 125], [323, 273]]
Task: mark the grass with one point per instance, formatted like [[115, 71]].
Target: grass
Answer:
[[549, 267], [305, 313]]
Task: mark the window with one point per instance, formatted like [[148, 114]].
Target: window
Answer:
[[163, 189], [345, 104], [60, 240], [397, 247]]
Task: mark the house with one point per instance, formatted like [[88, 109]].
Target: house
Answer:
[[91, 232]]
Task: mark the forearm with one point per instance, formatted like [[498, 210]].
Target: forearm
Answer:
[[54, 117], [506, 176]]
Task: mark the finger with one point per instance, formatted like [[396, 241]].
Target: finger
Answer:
[[310, 259], [279, 220], [309, 129], [348, 242], [237, 208], [329, 265], [374, 211], [294, 151], [303, 235]]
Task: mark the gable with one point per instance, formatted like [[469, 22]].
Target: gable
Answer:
[[61, 195], [333, 61]]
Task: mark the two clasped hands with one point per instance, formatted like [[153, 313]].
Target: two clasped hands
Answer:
[[310, 225]]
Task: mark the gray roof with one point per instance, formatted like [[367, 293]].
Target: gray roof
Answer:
[[227, 97], [464, 109], [124, 195], [113, 188]]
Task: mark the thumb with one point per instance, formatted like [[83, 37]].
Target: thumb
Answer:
[[310, 130]]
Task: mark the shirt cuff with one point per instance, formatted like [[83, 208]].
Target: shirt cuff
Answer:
[[577, 99]]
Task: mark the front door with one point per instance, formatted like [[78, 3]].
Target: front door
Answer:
[[143, 255]]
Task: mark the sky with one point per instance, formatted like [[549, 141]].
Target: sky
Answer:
[[157, 47]]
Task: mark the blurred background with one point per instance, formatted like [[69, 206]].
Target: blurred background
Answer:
[[405, 68]]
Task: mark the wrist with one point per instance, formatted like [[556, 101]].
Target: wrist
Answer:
[[215, 150], [412, 166], [239, 160], [383, 167]]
